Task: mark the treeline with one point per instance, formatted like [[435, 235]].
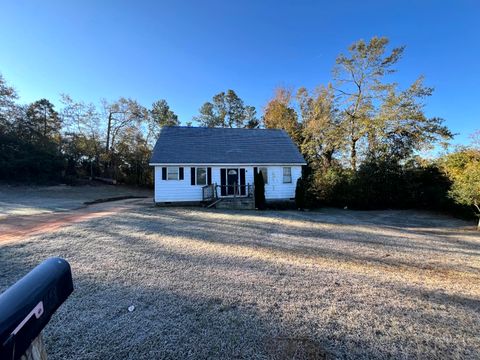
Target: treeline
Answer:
[[111, 140], [41, 144]]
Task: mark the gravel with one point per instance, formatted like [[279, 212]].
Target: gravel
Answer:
[[262, 285]]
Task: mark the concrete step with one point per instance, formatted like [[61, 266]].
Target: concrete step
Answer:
[[237, 203]]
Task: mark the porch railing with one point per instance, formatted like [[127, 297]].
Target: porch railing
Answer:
[[209, 192], [214, 191], [235, 190]]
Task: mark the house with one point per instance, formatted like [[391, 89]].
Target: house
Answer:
[[190, 160]]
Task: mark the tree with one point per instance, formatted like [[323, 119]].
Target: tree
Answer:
[[463, 167], [374, 113], [133, 155], [121, 115], [235, 109], [251, 120], [82, 141], [81, 154], [476, 139], [8, 96], [160, 116], [358, 80], [322, 131], [210, 116], [227, 110], [42, 120], [80, 117], [280, 114], [401, 126]]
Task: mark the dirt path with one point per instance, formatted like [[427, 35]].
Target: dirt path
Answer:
[[17, 228]]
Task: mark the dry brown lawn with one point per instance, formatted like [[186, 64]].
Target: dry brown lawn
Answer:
[[227, 284]]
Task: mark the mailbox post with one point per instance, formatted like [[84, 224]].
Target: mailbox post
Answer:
[[27, 306]]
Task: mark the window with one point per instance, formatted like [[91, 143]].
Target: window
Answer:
[[172, 173], [201, 176], [287, 175], [264, 172]]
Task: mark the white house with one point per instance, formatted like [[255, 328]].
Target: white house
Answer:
[[188, 159]]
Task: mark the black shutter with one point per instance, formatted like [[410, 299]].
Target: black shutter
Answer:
[[209, 176], [192, 176], [164, 173], [180, 173], [255, 171], [242, 182], [223, 178]]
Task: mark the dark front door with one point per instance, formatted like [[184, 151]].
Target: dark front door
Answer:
[[232, 180]]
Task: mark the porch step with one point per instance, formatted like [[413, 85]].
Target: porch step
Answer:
[[246, 203]]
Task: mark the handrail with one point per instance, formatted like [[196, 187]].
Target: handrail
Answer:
[[209, 192], [245, 190]]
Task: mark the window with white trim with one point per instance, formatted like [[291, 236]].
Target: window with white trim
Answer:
[[201, 176], [173, 173], [264, 172], [287, 175]]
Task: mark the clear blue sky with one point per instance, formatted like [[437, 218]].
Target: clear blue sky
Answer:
[[187, 51]]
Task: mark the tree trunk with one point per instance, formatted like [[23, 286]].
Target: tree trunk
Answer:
[[478, 209], [353, 155], [45, 123], [107, 164], [328, 157], [109, 126]]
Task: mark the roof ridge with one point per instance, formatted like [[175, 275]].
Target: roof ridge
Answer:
[[219, 128]]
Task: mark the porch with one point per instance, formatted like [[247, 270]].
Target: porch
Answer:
[[234, 196]]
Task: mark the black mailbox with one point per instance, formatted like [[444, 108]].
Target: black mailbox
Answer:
[[27, 306]]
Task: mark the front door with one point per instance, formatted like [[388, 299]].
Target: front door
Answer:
[[232, 180]]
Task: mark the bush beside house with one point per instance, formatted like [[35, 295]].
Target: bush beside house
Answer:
[[259, 182], [300, 193]]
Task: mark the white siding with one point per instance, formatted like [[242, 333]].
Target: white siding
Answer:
[[182, 190], [176, 190], [276, 189]]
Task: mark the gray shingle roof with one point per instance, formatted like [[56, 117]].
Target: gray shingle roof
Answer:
[[197, 145]]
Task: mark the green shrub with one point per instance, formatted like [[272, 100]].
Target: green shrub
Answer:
[[259, 182], [22, 161], [382, 184], [300, 194]]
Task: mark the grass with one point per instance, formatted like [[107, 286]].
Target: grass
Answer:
[[226, 284]]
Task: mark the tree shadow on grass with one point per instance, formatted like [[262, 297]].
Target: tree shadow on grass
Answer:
[[308, 242], [353, 226]]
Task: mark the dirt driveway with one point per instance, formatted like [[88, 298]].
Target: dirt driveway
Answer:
[[35, 200], [18, 227]]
